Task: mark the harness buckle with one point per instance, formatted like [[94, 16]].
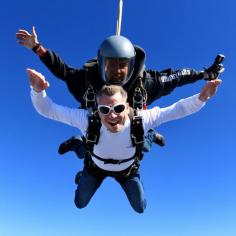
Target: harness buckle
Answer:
[[92, 139], [134, 138], [138, 99], [90, 98]]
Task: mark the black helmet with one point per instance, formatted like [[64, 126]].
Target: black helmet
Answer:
[[116, 47]]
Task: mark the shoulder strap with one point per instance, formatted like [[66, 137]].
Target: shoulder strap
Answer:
[[93, 130], [137, 132], [90, 98]]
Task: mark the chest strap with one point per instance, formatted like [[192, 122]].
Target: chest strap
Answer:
[[113, 161]]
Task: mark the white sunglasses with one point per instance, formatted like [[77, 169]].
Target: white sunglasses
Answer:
[[117, 108]]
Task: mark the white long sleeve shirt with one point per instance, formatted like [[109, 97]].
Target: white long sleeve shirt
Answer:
[[114, 145]]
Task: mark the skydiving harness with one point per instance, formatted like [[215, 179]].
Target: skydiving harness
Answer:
[[136, 127]]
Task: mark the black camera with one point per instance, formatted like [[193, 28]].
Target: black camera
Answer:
[[216, 68]]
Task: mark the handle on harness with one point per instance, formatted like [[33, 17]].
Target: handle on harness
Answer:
[[138, 100], [90, 98]]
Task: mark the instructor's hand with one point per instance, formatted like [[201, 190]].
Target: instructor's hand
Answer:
[[26, 39]]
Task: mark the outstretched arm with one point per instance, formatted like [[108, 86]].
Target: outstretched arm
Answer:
[[47, 108], [163, 83], [190, 105], [51, 60], [74, 78], [184, 107]]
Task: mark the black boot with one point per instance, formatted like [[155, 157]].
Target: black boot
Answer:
[[71, 144]]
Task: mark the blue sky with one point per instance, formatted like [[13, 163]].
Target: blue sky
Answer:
[[189, 184]]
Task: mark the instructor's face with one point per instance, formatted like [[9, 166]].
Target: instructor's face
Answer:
[[113, 111], [116, 69]]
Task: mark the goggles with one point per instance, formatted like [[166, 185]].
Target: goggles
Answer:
[[117, 108]]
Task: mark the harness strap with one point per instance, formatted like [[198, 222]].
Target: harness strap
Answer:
[[113, 161], [137, 133], [93, 130], [140, 95], [90, 98], [123, 174], [90, 94]]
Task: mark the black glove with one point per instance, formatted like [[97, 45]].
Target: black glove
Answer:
[[215, 69]]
